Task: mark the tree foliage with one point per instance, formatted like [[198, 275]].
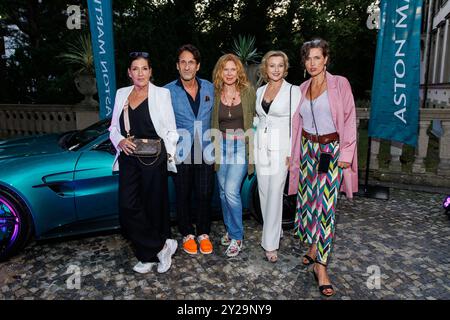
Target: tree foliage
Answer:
[[34, 74]]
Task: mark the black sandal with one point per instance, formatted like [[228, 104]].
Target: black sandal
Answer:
[[324, 287], [310, 260]]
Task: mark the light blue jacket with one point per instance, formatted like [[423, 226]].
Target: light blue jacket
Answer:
[[185, 118]]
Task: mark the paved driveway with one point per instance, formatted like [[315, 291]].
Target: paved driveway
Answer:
[[396, 249]]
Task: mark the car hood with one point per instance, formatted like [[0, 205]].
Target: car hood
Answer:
[[30, 146]]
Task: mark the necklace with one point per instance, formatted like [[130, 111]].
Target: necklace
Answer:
[[227, 104]]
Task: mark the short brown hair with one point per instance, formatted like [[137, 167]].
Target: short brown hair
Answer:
[[242, 80], [315, 43], [190, 48], [265, 59]]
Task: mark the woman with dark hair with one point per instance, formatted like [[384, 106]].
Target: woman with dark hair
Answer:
[[323, 155], [143, 116], [234, 108]]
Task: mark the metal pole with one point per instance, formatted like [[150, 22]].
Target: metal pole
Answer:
[[376, 192], [366, 180]]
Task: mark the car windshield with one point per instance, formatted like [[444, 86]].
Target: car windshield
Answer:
[[74, 140]]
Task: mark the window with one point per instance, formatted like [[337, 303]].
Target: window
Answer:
[[432, 54], [436, 6], [446, 60]]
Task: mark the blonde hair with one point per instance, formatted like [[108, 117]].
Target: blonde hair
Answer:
[[242, 80], [265, 60]]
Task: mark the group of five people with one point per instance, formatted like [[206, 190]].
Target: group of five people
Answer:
[[308, 132]]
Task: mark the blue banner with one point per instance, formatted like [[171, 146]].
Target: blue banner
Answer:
[[100, 21], [394, 112]]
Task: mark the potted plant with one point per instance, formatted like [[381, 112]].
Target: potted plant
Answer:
[[244, 48], [80, 54]]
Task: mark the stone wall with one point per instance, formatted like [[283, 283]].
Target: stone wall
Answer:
[[30, 119], [418, 174]]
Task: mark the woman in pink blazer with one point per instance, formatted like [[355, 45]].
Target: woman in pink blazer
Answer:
[[324, 157]]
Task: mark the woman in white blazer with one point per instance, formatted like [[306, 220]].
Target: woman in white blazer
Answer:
[[275, 102], [143, 191]]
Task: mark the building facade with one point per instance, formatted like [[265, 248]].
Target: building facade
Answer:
[[435, 54]]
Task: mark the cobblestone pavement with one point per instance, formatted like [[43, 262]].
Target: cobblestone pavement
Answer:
[[405, 239]]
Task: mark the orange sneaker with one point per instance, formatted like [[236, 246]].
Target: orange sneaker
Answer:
[[206, 246], [189, 244]]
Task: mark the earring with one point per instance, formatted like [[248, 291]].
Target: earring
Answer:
[[304, 73]]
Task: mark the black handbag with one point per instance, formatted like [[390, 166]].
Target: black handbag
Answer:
[[145, 148], [324, 157]]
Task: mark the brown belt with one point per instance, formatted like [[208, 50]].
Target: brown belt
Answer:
[[324, 139]]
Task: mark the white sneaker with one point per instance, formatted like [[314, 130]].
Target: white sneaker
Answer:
[[143, 267], [165, 255], [234, 248]]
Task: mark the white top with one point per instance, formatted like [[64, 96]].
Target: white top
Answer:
[[322, 113]]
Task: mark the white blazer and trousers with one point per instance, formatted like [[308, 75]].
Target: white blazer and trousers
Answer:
[[143, 187], [272, 146]]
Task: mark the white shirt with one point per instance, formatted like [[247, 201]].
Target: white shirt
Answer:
[[322, 114]]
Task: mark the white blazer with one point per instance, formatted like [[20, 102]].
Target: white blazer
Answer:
[[273, 128], [161, 112]]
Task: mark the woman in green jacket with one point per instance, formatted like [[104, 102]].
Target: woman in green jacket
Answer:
[[232, 118]]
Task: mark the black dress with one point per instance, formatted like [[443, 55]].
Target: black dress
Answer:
[[143, 191]]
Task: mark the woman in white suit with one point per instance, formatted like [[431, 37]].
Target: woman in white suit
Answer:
[[144, 111], [275, 103]]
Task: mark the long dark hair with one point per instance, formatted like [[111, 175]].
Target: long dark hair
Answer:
[[190, 48]]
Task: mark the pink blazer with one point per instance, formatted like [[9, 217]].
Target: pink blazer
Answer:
[[343, 111]]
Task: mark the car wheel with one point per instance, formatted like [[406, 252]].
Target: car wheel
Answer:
[[15, 225], [289, 207]]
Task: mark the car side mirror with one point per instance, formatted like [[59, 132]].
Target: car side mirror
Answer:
[[107, 147]]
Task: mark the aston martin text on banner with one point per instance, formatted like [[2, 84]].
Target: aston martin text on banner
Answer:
[[100, 20], [394, 113]]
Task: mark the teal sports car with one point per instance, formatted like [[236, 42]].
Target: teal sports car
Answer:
[[56, 185]]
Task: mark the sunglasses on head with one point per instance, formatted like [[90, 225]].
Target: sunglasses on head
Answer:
[[313, 42], [136, 54]]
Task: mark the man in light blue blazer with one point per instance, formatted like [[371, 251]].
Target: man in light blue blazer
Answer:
[[192, 100]]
